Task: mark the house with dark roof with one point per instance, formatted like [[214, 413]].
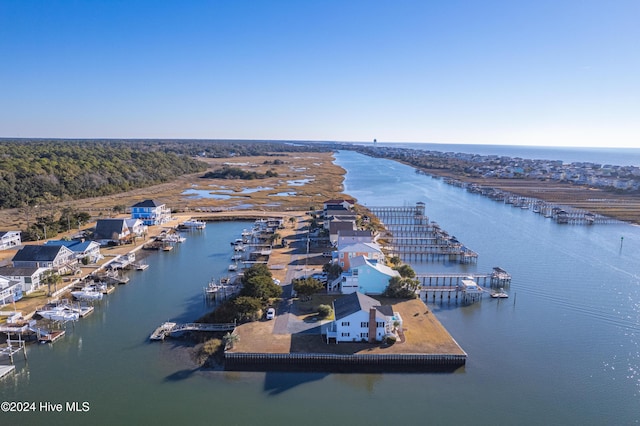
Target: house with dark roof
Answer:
[[337, 226], [112, 230], [29, 278], [9, 239], [151, 212], [360, 318], [345, 203], [82, 249], [59, 258]]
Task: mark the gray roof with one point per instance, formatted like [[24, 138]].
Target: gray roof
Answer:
[[105, 228], [10, 271], [148, 203], [355, 302], [355, 233], [32, 253], [337, 226]]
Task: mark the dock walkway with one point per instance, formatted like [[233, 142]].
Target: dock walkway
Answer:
[[169, 328]]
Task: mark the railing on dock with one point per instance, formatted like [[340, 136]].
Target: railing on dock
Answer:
[[410, 236]]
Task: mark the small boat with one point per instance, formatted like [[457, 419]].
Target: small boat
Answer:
[[58, 313], [233, 267], [163, 331], [236, 257], [499, 295], [193, 224], [87, 294]]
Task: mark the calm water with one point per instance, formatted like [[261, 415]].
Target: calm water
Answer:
[[562, 350]]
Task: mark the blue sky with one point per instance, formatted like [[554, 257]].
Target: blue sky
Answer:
[[562, 73]]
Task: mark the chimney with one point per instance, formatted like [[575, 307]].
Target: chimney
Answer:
[[372, 325]]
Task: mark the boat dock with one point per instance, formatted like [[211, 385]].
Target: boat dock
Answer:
[[11, 349], [6, 369], [169, 328], [412, 237], [497, 278]]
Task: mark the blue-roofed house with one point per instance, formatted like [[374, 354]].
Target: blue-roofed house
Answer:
[[360, 318], [82, 249], [151, 212]]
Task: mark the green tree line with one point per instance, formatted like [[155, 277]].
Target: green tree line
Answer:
[[71, 169]]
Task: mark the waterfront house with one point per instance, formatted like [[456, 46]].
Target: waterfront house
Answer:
[[368, 250], [347, 237], [365, 276], [29, 278], [9, 239], [360, 318], [136, 227], [89, 250], [346, 204], [58, 258], [10, 291], [151, 212], [337, 226], [112, 231]]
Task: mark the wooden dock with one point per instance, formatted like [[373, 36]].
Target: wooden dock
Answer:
[[497, 278], [412, 237], [6, 369], [169, 328]]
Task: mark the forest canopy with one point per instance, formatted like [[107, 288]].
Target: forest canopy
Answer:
[[62, 169]]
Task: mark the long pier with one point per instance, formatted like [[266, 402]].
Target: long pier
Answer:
[[412, 237], [497, 278]]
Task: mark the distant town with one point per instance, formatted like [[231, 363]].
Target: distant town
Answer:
[[604, 176]]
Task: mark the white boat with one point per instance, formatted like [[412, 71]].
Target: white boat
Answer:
[[233, 267], [236, 257], [499, 295], [193, 224], [58, 313], [87, 294]]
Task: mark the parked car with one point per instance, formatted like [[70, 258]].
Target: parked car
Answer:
[[271, 313]]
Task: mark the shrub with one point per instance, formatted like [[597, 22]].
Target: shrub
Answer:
[[324, 311]]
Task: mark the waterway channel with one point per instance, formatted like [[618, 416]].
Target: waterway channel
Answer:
[[563, 349]]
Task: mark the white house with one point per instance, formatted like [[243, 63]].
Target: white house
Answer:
[[10, 291], [368, 250], [59, 258], [360, 318], [136, 227], [9, 239], [82, 249], [151, 212], [115, 230], [29, 278], [338, 226], [365, 276]]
